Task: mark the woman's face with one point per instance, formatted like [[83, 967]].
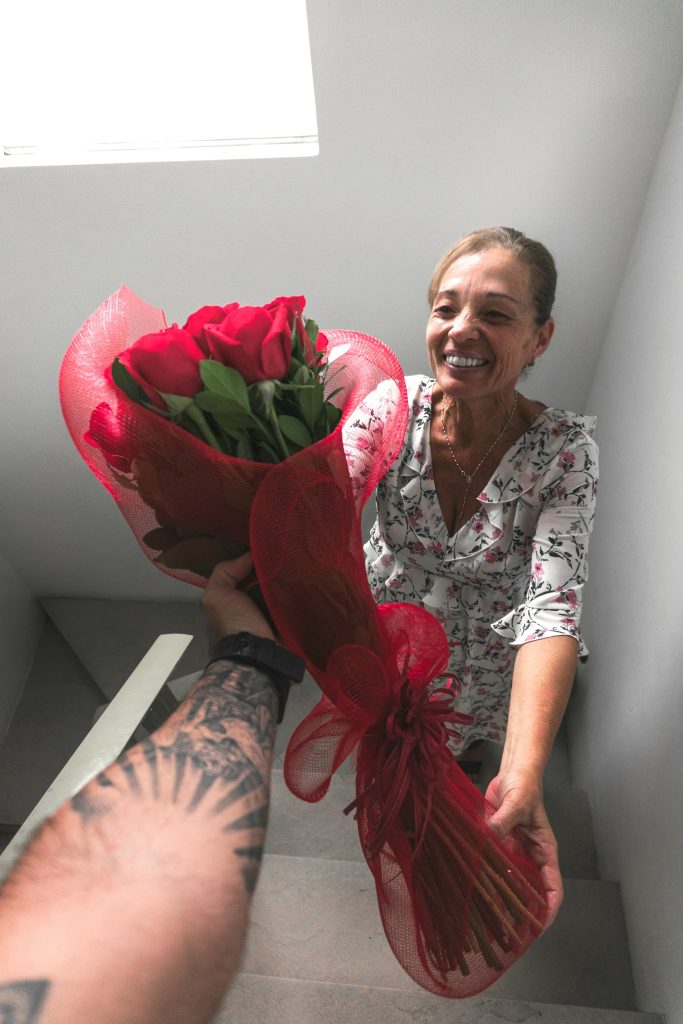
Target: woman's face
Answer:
[[481, 331]]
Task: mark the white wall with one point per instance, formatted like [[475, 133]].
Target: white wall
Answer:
[[21, 624], [626, 721], [435, 118]]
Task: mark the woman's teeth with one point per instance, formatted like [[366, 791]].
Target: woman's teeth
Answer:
[[464, 361]]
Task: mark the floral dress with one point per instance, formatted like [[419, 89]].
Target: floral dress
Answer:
[[514, 573]]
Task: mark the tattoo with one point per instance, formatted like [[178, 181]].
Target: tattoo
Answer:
[[250, 871], [20, 1001], [215, 764]]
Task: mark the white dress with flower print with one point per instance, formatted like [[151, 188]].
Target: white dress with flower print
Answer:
[[513, 574]]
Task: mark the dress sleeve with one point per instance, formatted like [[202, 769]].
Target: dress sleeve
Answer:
[[558, 568]]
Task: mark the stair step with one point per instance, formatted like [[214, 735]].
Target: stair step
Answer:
[[112, 637], [317, 919], [300, 829], [55, 712], [570, 817], [258, 1000]]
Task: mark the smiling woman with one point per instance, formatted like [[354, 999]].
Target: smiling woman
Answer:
[[484, 518]]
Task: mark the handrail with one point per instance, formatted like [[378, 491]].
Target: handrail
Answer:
[[106, 739]]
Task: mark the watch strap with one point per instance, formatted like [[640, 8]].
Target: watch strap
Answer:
[[282, 666]]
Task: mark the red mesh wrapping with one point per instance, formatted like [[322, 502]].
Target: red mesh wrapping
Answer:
[[448, 889], [442, 877]]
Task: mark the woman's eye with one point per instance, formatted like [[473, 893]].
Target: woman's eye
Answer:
[[442, 311], [496, 314]]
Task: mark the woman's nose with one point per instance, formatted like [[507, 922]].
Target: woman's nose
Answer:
[[463, 322]]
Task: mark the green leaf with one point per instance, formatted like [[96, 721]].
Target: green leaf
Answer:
[[221, 405], [128, 384], [295, 365], [333, 415], [312, 330], [225, 381], [266, 453], [296, 342], [296, 431], [244, 449], [229, 441], [310, 403], [177, 404], [229, 426]]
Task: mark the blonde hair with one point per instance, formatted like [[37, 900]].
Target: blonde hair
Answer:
[[539, 260]]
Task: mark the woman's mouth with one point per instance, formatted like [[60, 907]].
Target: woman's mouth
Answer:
[[463, 361]]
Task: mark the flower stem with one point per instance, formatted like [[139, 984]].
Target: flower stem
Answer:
[[281, 443], [194, 413]]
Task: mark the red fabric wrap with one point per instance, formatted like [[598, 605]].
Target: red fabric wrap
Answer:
[[444, 880], [447, 887]]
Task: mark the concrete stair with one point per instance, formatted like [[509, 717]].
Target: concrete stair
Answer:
[[317, 953], [255, 999]]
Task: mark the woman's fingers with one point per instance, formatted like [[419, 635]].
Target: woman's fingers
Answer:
[[522, 808]]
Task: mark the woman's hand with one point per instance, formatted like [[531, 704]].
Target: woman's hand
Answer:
[[229, 610], [518, 799]]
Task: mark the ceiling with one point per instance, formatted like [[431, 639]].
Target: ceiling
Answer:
[[435, 117]]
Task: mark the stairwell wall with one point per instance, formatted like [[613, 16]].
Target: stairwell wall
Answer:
[[21, 625], [626, 717]]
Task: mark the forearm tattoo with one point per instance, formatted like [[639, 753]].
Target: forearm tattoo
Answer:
[[21, 1001], [211, 759]]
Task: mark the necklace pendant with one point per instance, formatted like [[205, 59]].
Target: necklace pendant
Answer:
[[468, 479]]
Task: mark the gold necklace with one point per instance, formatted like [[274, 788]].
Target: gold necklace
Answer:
[[469, 476]]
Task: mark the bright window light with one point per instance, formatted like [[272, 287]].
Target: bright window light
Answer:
[[139, 80]]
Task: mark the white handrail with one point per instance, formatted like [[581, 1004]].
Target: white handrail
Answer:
[[107, 738]]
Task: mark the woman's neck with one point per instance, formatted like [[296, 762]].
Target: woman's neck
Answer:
[[476, 423]]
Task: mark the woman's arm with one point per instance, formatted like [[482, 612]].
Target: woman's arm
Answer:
[[541, 685], [131, 903], [545, 630]]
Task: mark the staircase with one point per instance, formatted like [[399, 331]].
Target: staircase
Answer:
[[317, 954], [316, 951]]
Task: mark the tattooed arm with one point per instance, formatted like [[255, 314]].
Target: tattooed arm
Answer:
[[130, 905]]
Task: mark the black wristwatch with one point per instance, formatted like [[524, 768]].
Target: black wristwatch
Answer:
[[282, 666]]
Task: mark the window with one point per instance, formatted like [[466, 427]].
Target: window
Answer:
[[141, 80]]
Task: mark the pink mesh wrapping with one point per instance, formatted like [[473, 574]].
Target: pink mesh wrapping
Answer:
[[187, 503], [442, 877]]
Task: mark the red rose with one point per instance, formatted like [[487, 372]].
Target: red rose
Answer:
[[197, 321], [294, 303], [295, 307], [254, 340], [106, 433], [167, 361]]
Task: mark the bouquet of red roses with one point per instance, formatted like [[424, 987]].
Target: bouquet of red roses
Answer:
[[248, 428]]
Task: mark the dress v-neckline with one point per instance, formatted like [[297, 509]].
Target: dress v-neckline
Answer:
[[429, 465]]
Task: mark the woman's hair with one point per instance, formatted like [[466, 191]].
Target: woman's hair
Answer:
[[534, 254]]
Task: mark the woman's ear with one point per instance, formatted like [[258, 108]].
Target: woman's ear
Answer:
[[545, 333]]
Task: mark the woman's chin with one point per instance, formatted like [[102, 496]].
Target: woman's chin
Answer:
[[463, 381]]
